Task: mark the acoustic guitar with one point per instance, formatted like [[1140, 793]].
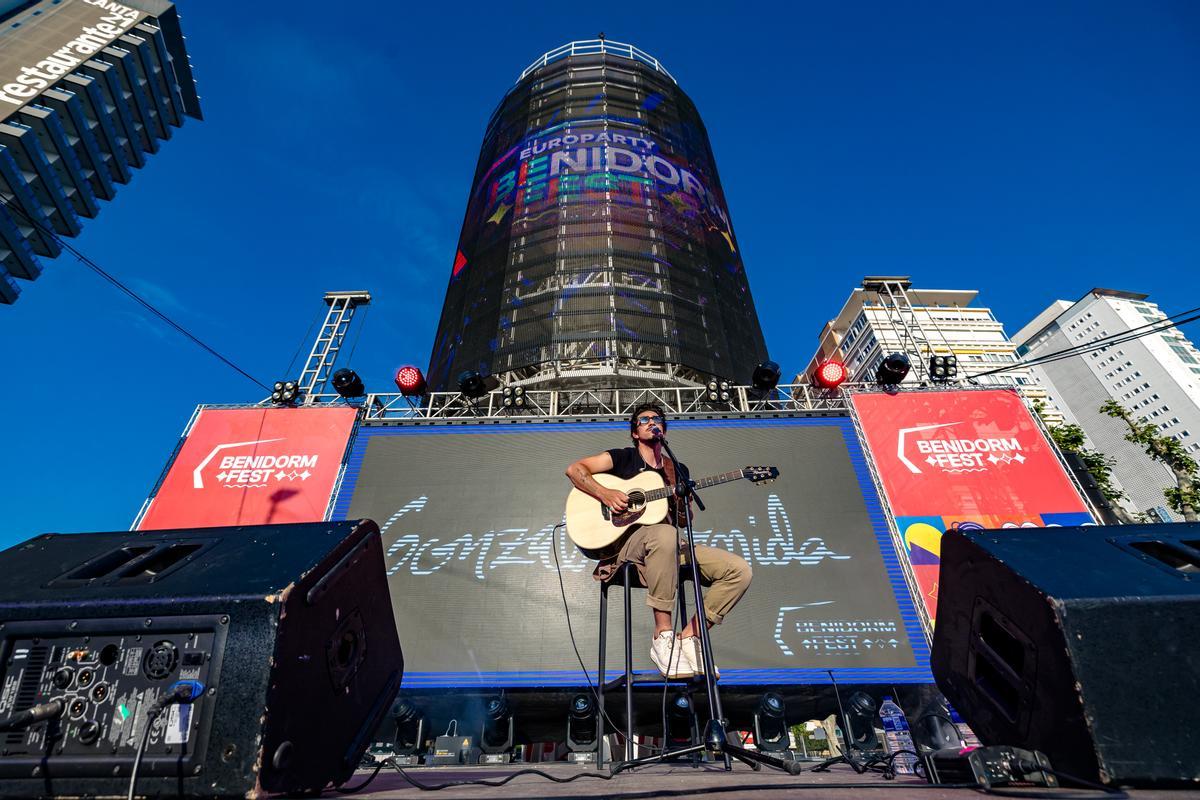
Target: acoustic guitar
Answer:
[[599, 532]]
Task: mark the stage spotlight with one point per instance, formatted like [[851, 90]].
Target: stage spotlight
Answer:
[[935, 730], [682, 725], [766, 376], [513, 397], [770, 724], [285, 393], [410, 731], [830, 374], [943, 368], [581, 729], [474, 385], [496, 737], [858, 722], [718, 391], [410, 381], [347, 383], [892, 370]]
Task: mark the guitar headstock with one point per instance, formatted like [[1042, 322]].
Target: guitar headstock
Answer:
[[760, 474]]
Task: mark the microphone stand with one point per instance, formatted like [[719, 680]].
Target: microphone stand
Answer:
[[716, 738]]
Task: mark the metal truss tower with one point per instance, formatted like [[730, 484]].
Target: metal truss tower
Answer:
[[324, 353], [903, 320]]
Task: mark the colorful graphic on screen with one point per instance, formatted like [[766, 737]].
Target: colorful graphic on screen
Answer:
[[963, 460], [586, 161]]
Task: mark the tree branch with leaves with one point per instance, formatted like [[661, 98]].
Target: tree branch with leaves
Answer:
[[1184, 497], [1071, 439]]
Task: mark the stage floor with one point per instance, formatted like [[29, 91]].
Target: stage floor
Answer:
[[683, 780]]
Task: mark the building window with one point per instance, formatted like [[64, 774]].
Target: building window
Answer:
[[1184, 355]]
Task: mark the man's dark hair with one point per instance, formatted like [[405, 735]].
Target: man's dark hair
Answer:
[[643, 408]]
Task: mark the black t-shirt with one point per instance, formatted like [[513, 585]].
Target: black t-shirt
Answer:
[[628, 462]]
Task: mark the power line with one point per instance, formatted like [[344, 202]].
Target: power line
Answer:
[[131, 293], [1098, 344], [303, 339]]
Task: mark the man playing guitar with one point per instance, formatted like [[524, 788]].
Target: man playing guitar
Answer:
[[657, 551]]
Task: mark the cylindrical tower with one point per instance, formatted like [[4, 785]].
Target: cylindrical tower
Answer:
[[597, 248]]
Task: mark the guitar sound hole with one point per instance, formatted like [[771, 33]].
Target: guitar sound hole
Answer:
[[636, 500]]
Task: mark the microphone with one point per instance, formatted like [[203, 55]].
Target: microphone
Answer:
[[656, 431]]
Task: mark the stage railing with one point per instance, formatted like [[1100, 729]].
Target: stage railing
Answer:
[[591, 47]]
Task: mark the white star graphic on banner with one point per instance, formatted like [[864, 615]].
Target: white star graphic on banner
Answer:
[[280, 475], [305, 475]]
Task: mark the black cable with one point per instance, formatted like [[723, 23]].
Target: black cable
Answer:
[[180, 693], [1117, 794], [1030, 766], [132, 294], [1096, 344], [151, 718], [358, 334], [501, 782], [571, 631], [662, 792], [300, 346], [31, 716], [1103, 344], [383, 763], [1122, 335]]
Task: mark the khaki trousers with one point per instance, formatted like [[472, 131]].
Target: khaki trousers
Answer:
[[658, 553]]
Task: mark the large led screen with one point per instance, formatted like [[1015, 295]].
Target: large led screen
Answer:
[[596, 228], [468, 514]]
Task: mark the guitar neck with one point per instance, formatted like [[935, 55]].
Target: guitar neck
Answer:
[[702, 483]]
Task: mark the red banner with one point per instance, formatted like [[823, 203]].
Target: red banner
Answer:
[[962, 460], [253, 466]]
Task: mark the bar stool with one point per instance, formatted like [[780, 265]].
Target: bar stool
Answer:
[[628, 575]]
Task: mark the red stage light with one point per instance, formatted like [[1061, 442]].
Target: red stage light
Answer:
[[830, 374], [410, 381]]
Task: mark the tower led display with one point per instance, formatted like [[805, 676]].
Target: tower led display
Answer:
[[596, 232]]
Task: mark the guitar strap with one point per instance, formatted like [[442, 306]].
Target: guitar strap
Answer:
[[669, 472]]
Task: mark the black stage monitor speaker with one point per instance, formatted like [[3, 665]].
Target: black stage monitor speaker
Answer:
[[285, 632], [1083, 643]]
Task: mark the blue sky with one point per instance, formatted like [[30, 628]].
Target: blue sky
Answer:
[[1027, 150]]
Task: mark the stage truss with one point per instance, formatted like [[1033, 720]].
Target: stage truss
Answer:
[[683, 400]]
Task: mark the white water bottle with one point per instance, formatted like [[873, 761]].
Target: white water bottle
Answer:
[[896, 736]]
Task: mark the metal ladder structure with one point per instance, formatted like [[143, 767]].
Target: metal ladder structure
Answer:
[[902, 319], [324, 353]]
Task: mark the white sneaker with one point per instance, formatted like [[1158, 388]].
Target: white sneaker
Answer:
[[694, 657], [666, 648]]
